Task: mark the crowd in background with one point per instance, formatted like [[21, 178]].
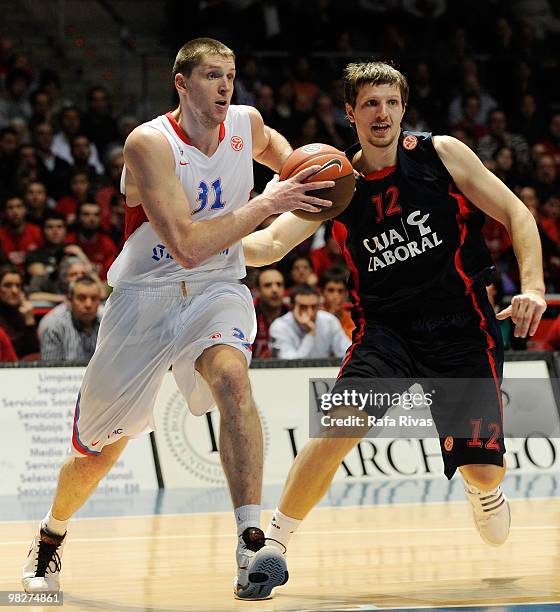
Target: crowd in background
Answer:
[[488, 77]]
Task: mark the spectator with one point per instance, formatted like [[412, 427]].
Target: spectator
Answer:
[[42, 265], [304, 86], [98, 247], [16, 235], [550, 219], [72, 337], [498, 136], [104, 196], [268, 307], [306, 331], [14, 104], [7, 352], [551, 141], [16, 313], [37, 203], [545, 180], [54, 170], [528, 121], [471, 107], [80, 148], [471, 86], [27, 168], [505, 167], [79, 193], [99, 124], [40, 107], [301, 272], [117, 220], [327, 256], [70, 269], [8, 147], [70, 125], [334, 291]]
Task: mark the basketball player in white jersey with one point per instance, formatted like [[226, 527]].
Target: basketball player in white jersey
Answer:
[[178, 301]]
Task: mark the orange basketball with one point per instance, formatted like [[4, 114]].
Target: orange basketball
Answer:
[[335, 166]]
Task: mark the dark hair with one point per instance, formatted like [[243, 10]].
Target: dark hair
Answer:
[[79, 135], [14, 75], [298, 257], [333, 275], [301, 290], [192, 53], [9, 269], [54, 215], [8, 130], [268, 269], [375, 73], [33, 97], [86, 279], [87, 203]]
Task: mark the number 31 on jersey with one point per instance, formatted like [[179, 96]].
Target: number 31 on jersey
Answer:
[[204, 195]]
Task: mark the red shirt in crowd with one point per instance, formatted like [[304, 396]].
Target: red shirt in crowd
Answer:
[[496, 237], [100, 250], [261, 348], [16, 246], [7, 352]]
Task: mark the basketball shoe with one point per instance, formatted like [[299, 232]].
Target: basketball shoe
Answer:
[[260, 568], [41, 571], [491, 514]]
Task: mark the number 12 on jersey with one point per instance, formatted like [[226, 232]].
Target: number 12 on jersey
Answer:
[[203, 191]]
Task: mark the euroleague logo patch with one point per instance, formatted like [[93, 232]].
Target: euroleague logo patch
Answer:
[[448, 444], [236, 143], [409, 142], [314, 147]]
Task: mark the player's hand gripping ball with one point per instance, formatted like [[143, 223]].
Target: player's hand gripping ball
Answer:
[[335, 166]]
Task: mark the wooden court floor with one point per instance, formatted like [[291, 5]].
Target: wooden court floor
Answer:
[[352, 558]]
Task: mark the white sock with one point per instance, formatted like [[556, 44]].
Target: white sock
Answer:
[[281, 528], [247, 516], [54, 525]]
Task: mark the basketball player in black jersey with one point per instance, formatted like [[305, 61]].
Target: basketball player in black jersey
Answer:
[[412, 239]]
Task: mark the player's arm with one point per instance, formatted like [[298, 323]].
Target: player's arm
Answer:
[[149, 160], [489, 194], [275, 241], [270, 148]]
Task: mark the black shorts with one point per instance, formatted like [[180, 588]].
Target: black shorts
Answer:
[[460, 345]]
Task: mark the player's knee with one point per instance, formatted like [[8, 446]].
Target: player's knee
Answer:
[[230, 383], [484, 477]]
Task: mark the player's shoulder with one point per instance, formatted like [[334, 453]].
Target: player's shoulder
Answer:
[[146, 140]]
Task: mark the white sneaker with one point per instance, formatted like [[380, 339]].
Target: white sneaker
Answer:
[[41, 571], [260, 568], [491, 514]]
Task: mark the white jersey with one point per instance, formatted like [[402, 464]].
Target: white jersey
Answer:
[[214, 186]]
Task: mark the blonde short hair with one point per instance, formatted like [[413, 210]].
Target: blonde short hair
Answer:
[[192, 53], [374, 73]]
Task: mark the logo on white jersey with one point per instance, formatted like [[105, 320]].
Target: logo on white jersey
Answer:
[[391, 246], [236, 143]]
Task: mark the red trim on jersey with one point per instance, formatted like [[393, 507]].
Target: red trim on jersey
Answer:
[[76, 442], [379, 174], [134, 216], [181, 133], [465, 209], [340, 234]]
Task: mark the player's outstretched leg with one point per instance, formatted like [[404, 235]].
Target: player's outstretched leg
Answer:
[[490, 507], [78, 479], [260, 567], [308, 480]]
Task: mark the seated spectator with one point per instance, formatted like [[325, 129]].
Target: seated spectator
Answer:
[[18, 237], [550, 219], [80, 186], [268, 307], [546, 179], [72, 336], [470, 105], [499, 136], [70, 125], [326, 257], [335, 295], [103, 196], [551, 141], [54, 170], [98, 247], [117, 220], [70, 269], [306, 331], [99, 124], [16, 313], [301, 272], [7, 352], [41, 265], [37, 202], [80, 149], [14, 103], [505, 167]]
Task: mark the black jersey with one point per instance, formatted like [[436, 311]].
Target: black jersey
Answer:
[[412, 241]]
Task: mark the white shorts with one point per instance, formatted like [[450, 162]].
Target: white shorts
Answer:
[[143, 333]]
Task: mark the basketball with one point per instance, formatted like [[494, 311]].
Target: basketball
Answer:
[[335, 166]]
